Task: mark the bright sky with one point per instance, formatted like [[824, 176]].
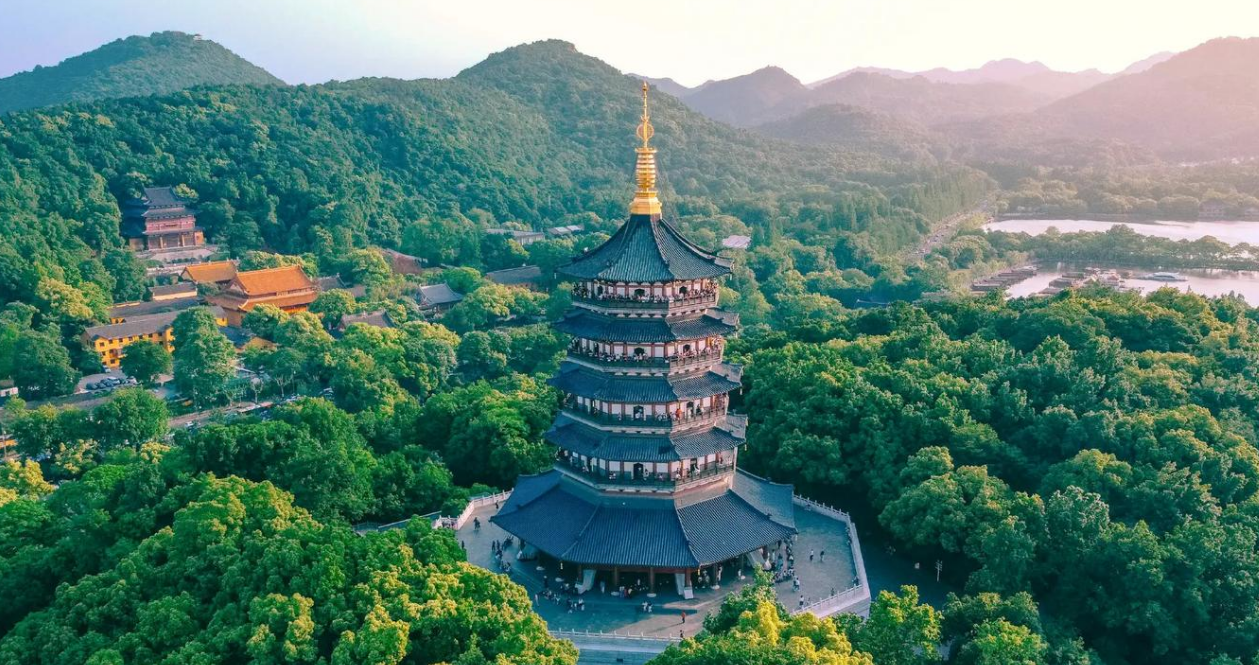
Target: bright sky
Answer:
[[307, 41]]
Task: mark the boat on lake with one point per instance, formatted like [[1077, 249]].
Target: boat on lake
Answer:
[[1165, 277]]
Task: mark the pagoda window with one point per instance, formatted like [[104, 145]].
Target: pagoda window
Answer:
[[639, 352], [682, 290], [599, 290], [639, 293], [686, 348], [638, 471], [638, 413]]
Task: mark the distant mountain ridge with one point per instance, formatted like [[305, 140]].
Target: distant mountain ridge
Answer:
[[931, 97], [160, 63], [1199, 105]]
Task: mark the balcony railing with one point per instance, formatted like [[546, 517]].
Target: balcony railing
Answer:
[[706, 297], [676, 361], [653, 421], [644, 478]]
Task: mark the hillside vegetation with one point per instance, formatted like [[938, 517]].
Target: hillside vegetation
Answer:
[[155, 65]]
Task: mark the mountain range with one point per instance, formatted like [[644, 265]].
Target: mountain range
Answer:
[[1196, 105], [157, 64], [935, 96]]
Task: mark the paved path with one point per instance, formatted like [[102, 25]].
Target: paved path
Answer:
[[945, 230]]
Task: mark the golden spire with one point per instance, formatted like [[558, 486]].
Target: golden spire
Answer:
[[645, 201]]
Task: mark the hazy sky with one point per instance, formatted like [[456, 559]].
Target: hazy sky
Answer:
[[316, 40]]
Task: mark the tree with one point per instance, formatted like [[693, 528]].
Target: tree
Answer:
[[145, 361], [22, 480], [304, 591], [483, 354], [41, 367], [763, 634], [998, 642], [264, 320], [204, 359], [332, 306], [131, 418], [899, 631]]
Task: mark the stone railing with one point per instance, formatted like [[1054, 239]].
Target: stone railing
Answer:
[[676, 361], [627, 478], [661, 421], [457, 523], [853, 598], [698, 299], [588, 637], [440, 521]]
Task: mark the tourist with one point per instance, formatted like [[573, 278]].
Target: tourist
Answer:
[[810, 556], [822, 557], [683, 616]]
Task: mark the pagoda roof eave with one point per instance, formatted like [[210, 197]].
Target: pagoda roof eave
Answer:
[[586, 324], [646, 250], [572, 523], [585, 440]]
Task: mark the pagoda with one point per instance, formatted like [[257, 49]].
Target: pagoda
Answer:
[[159, 220], [646, 479]]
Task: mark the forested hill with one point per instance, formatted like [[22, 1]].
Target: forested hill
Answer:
[[535, 133], [158, 64]]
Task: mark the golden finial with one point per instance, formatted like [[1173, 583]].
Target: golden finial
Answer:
[[645, 201], [645, 130]]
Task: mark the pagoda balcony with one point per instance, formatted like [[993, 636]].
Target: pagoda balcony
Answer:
[[646, 303], [676, 480], [653, 421], [678, 361]]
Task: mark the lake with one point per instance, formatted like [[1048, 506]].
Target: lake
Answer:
[[1232, 233], [1202, 282]]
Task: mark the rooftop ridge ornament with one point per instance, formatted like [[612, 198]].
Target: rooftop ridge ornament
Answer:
[[645, 201]]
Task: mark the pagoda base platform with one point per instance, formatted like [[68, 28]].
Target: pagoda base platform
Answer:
[[606, 612], [684, 532]]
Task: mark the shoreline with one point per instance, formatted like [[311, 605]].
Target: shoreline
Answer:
[[1122, 218]]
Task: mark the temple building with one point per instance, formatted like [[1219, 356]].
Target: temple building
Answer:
[[646, 481], [110, 341], [286, 287], [160, 220]]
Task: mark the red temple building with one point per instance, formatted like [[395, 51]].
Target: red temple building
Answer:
[[160, 220]]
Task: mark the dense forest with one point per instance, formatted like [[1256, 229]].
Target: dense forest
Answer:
[[535, 135], [1154, 192], [1085, 465], [158, 64], [1096, 450]]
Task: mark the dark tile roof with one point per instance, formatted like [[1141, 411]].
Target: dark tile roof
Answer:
[[434, 295], [158, 290], [162, 197], [578, 380], [141, 325], [646, 249], [750, 515], [329, 282], [513, 276], [129, 310], [378, 318], [575, 523], [584, 323], [156, 203], [582, 439]]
